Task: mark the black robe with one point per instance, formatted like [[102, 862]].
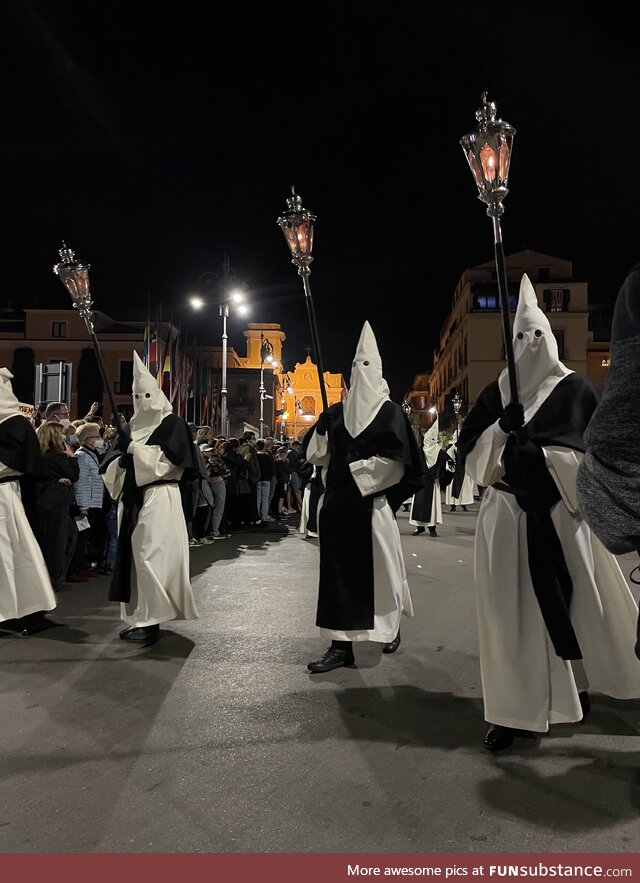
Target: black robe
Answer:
[[174, 437], [346, 591], [20, 450], [422, 506], [561, 420]]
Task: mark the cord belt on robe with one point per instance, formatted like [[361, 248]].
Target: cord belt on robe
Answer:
[[547, 565], [8, 478], [132, 501]]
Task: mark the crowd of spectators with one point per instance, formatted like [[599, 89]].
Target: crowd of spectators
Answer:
[[244, 482]]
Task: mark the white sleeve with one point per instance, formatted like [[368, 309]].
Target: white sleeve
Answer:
[[484, 461], [114, 478], [150, 464], [563, 464], [318, 450], [376, 474]]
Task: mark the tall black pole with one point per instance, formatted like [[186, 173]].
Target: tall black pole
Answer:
[[305, 272], [504, 309]]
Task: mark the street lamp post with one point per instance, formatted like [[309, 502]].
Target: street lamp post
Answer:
[[230, 296], [488, 152], [284, 387], [266, 354], [456, 401], [297, 226]]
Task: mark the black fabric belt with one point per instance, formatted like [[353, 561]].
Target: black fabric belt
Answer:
[[10, 478]]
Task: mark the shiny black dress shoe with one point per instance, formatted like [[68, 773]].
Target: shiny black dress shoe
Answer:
[[418, 531], [34, 623], [498, 738], [452, 508], [125, 632], [405, 507], [585, 702], [144, 635], [432, 532], [335, 657], [392, 646], [464, 509]]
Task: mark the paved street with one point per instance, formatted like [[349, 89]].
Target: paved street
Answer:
[[217, 739]]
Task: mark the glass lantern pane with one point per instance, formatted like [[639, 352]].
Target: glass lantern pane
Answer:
[[503, 164], [291, 238], [476, 171], [304, 239], [488, 161]]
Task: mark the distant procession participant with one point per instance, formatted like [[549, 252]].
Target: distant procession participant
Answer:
[[151, 577], [370, 463], [555, 614], [461, 491], [426, 506], [26, 593]]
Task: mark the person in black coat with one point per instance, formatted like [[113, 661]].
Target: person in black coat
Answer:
[[54, 495]]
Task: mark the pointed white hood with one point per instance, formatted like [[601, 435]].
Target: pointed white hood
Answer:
[[150, 405], [9, 406], [431, 445], [538, 365], [368, 390]]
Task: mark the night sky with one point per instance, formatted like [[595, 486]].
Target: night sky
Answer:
[[156, 137]]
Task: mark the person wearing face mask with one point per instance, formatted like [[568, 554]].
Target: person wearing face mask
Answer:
[[555, 614], [151, 578], [89, 492], [371, 463]]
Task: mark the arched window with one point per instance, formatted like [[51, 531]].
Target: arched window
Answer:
[[308, 405]]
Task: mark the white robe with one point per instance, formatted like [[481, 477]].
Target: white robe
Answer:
[[160, 585], [391, 596], [525, 684], [25, 586]]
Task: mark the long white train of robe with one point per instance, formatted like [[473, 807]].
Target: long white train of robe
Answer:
[[467, 492], [160, 585], [25, 586], [525, 685], [391, 596], [436, 509]]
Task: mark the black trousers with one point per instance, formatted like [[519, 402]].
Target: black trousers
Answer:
[[59, 536]]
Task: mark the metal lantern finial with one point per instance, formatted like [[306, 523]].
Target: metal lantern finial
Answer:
[[488, 152]]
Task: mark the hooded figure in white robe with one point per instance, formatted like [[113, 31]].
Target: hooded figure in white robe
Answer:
[[151, 577], [371, 462], [460, 491], [426, 506], [25, 588], [555, 614]]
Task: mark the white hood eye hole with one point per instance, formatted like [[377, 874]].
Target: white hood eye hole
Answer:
[[365, 363], [538, 332], [354, 364], [136, 396], [147, 395], [520, 335]]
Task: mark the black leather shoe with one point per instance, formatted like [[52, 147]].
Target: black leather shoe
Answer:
[[144, 635], [392, 646], [585, 702], [418, 531], [452, 508], [125, 632], [432, 532], [334, 658], [464, 509], [36, 622], [498, 738], [405, 507]]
